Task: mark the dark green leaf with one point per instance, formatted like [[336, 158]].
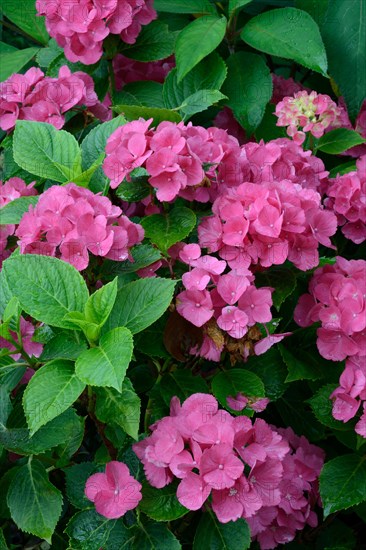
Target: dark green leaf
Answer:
[[88, 530], [322, 407], [339, 140], [211, 534], [164, 230], [145, 93], [185, 6], [154, 42], [134, 191], [182, 384], [237, 4], [63, 346], [231, 382], [76, 477], [271, 370], [14, 61], [161, 504], [282, 279], [149, 535], [23, 14], [300, 366]]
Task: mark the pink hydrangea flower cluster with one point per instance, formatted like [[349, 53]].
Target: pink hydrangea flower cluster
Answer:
[[33, 349], [80, 26], [113, 492], [350, 396], [9, 191], [34, 96], [337, 298], [70, 222], [246, 467], [311, 112], [128, 70], [346, 196]]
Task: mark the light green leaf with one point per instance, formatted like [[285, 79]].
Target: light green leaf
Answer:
[[13, 211], [154, 42], [211, 534], [342, 483], [24, 15], [13, 61], [47, 288], [288, 33], [185, 6], [51, 391], [46, 152], [133, 112], [122, 409], [248, 87], [339, 140], [164, 230], [106, 364], [141, 303], [94, 143], [161, 504], [34, 503], [237, 4], [100, 304], [199, 101], [197, 40], [231, 382]]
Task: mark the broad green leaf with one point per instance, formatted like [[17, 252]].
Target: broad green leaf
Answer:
[[13, 61], [271, 370], [140, 303], [24, 15], [94, 143], [46, 55], [302, 366], [46, 152], [267, 129], [65, 345], [143, 93], [34, 503], [161, 504], [77, 321], [342, 169], [316, 8], [106, 364], [85, 177], [282, 279], [11, 375], [5, 405], [143, 256], [119, 408], [150, 341], [51, 391], [132, 112], [17, 439], [197, 40], [88, 530], [322, 408], [164, 230], [5, 294], [100, 304], [181, 383], [134, 191], [339, 140], [237, 4], [343, 483], [76, 477], [185, 6], [12, 313], [72, 443], [231, 382], [47, 288], [154, 42], [149, 535], [214, 535], [5, 48], [209, 74], [288, 33], [344, 35], [248, 87], [13, 211], [199, 101]]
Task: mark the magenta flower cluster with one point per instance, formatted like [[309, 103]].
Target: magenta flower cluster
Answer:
[[346, 196], [128, 70], [350, 396], [9, 191], [337, 300], [70, 222], [249, 469], [80, 26], [34, 96]]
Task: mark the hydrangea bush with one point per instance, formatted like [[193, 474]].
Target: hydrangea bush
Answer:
[[183, 274]]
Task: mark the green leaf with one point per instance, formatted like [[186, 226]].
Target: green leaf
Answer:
[[271, 370], [77, 321], [51, 391], [76, 477], [94, 143], [282, 279], [185, 6], [237, 4], [72, 443], [46, 55], [119, 408], [100, 304], [288, 33], [46, 152], [231, 382], [88, 530], [198, 39], [161, 504], [47, 288], [13, 211], [164, 230], [13, 61], [23, 14], [343, 483], [344, 34], [342, 169], [143, 93], [133, 112], [248, 87], [267, 129], [141, 303], [106, 365], [3, 544], [143, 256], [181, 383], [34, 503], [133, 191], [339, 140], [209, 74], [300, 367], [199, 101], [211, 534], [63, 346], [149, 535], [322, 408], [316, 8], [154, 42]]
